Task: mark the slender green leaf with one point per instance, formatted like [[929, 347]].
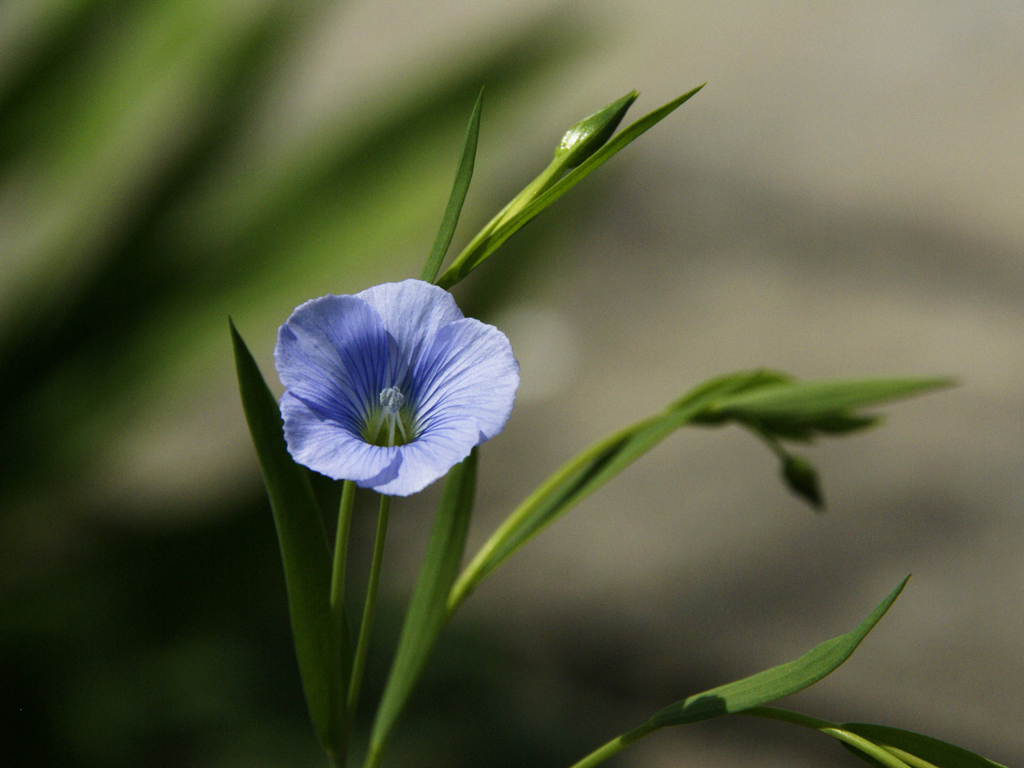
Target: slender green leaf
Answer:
[[808, 400], [428, 606], [605, 153], [588, 471], [304, 551], [754, 398], [774, 683], [458, 196], [864, 748], [917, 750], [480, 249], [879, 745], [748, 695]]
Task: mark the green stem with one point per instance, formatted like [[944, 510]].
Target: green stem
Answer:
[[483, 562], [339, 638], [348, 495], [882, 754], [363, 643], [614, 746], [547, 178]]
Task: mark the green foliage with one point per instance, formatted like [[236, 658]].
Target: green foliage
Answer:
[[324, 660], [795, 410], [914, 749], [427, 610], [780, 408], [461, 186], [591, 133], [551, 185], [802, 478], [750, 693], [777, 682], [757, 399], [881, 746]]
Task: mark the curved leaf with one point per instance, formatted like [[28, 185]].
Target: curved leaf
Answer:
[[777, 682], [821, 399], [504, 226], [585, 473], [913, 748]]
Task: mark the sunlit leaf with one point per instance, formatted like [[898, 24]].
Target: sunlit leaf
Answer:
[[807, 402], [480, 248], [588, 471]]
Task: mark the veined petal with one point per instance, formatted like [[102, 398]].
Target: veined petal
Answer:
[[333, 354], [466, 379], [331, 449], [423, 461], [341, 357], [412, 311]]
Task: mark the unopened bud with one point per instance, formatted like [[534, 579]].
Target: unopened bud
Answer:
[[591, 133], [802, 478]]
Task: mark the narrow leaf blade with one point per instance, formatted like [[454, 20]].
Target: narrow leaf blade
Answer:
[[300, 532], [461, 268], [907, 743], [777, 682], [428, 612], [584, 474], [806, 400], [458, 196]]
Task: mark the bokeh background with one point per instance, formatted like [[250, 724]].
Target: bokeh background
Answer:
[[843, 198]]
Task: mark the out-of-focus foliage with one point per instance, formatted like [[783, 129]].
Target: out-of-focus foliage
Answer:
[[145, 194]]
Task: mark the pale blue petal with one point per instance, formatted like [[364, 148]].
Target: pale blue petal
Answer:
[[332, 354], [423, 462], [412, 311], [331, 449], [466, 379], [464, 386], [336, 354]]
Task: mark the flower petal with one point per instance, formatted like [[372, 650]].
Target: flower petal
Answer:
[[412, 311], [466, 379], [422, 462], [336, 354], [333, 354], [331, 449]]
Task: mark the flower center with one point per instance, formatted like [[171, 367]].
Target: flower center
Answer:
[[391, 413]]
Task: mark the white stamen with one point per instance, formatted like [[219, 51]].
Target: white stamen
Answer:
[[391, 399]]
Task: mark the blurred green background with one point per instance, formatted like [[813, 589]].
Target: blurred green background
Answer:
[[842, 199]]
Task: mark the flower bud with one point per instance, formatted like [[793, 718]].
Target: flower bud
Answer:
[[591, 133], [802, 479]]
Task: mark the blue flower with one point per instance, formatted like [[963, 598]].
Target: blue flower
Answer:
[[391, 387]]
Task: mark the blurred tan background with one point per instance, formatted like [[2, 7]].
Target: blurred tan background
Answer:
[[843, 198]]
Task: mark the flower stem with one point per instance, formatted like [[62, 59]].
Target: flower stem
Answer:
[[348, 495], [362, 644], [340, 723], [614, 746]]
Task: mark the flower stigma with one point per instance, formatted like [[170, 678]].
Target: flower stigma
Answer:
[[391, 400]]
